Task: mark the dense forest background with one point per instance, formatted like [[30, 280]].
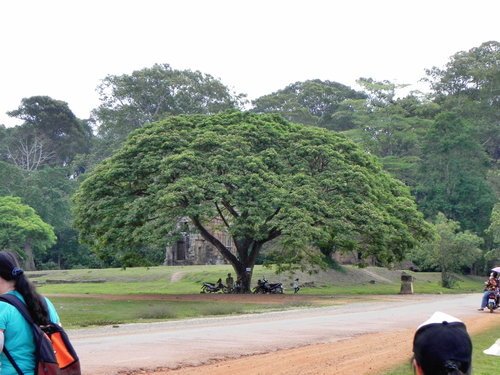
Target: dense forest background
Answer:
[[444, 144]]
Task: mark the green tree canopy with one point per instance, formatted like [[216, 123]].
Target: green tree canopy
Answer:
[[129, 101], [22, 230], [260, 176], [470, 85], [493, 232], [312, 102], [451, 250], [48, 192], [475, 73], [494, 228], [390, 128], [452, 176]]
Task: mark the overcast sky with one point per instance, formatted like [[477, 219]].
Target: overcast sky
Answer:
[[63, 48]]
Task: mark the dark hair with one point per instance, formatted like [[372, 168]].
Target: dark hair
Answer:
[[452, 369], [443, 349], [9, 270]]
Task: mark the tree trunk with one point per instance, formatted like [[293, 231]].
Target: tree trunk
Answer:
[[248, 249], [447, 279], [29, 262], [245, 277]]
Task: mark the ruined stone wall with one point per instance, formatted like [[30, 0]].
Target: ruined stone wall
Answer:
[[193, 249]]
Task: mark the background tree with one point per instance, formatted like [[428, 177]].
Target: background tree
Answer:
[[394, 133], [23, 231], [30, 152], [450, 251], [3, 143], [492, 255], [312, 102], [50, 135], [129, 101], [494, 228], [379, 93], [12, 179], [260, 177], [48, 191], [470, 85], [453, 172], [388, 126]]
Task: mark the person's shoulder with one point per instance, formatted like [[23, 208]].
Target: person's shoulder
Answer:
[[5, 305], [48, 302], [10, 294], [53, 315], [6, 312]]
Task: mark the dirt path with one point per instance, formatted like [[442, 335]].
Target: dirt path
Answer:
[[369, 354], [177, 276], [359, 338]]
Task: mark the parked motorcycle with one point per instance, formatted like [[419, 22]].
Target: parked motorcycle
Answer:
[[264, 286], [213, 288]]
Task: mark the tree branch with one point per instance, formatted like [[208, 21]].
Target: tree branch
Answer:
[[230, 208], [30, 156], [221, 215], [270, 217], [214, 241]]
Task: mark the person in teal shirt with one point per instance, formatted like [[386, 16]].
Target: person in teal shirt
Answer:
[[15, 332]]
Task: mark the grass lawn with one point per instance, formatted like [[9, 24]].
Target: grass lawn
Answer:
[[188, 280], [84, 312], [91, 309]]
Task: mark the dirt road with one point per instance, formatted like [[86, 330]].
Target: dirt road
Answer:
[[358, 338]]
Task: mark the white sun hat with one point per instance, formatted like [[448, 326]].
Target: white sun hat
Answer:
[[493, 349], [439, 317]]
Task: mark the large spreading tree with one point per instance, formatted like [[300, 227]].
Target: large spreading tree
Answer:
[[261, 177]]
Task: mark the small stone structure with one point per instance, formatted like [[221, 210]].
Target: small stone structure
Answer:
[[406, 284]]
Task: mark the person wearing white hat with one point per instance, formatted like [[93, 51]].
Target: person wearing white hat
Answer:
[[442, 346]]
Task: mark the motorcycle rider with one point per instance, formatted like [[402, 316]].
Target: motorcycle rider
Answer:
[[498, 288], [491, 285]]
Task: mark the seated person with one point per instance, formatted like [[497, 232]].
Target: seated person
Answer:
[[229, 281]]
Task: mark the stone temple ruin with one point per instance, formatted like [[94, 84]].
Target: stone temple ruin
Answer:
[[191, 248]]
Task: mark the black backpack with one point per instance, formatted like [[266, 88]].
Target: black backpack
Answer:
[[54, 354]]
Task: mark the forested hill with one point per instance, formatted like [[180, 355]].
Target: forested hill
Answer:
[[444, 144]]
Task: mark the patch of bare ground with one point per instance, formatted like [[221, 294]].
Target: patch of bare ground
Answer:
[[370, 354]]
